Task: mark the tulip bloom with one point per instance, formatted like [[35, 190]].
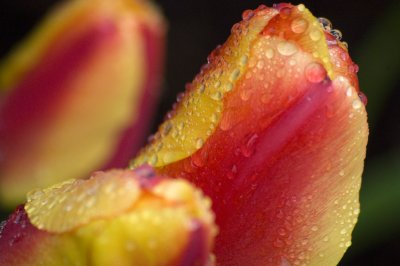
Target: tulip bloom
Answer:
[[78, 95], [273, 129], [119, 217]]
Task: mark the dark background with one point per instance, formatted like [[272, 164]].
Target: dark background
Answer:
[[371, 28]]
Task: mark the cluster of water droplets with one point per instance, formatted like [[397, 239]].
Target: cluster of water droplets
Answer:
[[82, 200], [327, 26], [198, 111]]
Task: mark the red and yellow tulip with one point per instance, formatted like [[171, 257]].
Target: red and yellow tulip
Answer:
[[78, 94], [118, 217], [274, 131]]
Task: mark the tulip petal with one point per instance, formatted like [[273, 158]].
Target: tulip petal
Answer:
[[79, 94], [119, 217], [281, 152]]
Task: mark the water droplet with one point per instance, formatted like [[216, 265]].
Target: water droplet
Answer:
[[292, 62], [315, 35], [325, 239], [181, 125], [314, 228], [325, 23], [247, 14], [180, 96], [363, 98], [167, 129], [269, 53], [301, 7], [214, 118], [260, 64], [349, 91], [357, 104], [299, 25], [198, 160], [153, 159], [347, 244], [235, 74], [228, 87], [285, 12], [90, 202], [315, 72], [248, 147], [199, 143], [216, 96], [243, 60], [202, 88], [337, 34], [343, 231], [286, 48]]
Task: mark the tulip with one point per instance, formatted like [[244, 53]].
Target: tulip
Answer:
[[274, 130], [78, 94], [118, 217]]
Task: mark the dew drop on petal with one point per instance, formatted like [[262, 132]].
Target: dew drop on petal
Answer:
[[299, 25], [285, 12], [337, 34], [363, 98], [199, 143], [247, 14], [349, 91], [315, 72], [286, 48], [217, 96], [325, 23], [301, 7], [269, 53], [315, 35], [314, 228], [357, 104]]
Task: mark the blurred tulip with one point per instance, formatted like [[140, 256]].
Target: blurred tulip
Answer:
[[78, 95], [274, 130], [119, 217]]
